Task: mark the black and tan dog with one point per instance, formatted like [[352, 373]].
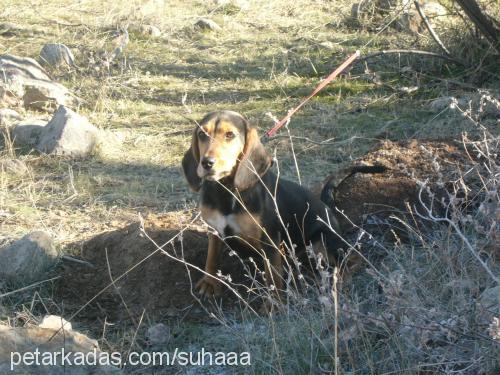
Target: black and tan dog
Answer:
[[242, 200]]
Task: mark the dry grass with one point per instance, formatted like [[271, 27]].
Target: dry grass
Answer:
[[420, 316]]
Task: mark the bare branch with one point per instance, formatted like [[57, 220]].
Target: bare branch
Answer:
[[431, 30], [482, 22]]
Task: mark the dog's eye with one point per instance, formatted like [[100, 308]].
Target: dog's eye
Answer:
[[202, 136], [230, 135]]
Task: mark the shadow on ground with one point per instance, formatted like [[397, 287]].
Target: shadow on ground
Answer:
[[145, 278]]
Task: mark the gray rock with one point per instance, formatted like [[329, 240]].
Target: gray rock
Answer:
[[14, 166], [27, 133], [28, 259], [68, 133], [207, 24], [9, 29], [55, 322], [158, 334], [25, 67], [55, 54], [24, 81], [8, 116], [440, 104], [45, 95], [434, 10], [15, 342]]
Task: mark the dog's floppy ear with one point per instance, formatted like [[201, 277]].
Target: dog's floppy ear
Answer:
[[254, 162], [190, 163]]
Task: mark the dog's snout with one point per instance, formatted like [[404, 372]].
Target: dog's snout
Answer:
[[208, 162]]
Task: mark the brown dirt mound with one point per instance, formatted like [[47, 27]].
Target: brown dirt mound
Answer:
[[159, 285], [374, 197]]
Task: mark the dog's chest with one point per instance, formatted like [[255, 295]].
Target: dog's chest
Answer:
[[224, 217], [225, 225], [228, 216]]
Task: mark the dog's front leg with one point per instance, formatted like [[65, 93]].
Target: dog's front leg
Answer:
[[209, 286]]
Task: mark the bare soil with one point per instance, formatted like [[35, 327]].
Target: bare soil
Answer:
[[154, 282], [159, 284], [372, 198]]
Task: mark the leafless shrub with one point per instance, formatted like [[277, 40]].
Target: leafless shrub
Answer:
[[412, 309]]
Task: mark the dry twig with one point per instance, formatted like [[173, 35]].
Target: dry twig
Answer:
[[430, 28]]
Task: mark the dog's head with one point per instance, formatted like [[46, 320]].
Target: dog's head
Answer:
[[224, 146]]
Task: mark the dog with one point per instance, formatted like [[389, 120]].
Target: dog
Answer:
[[248, 205]]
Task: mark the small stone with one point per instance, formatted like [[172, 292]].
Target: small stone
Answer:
[[24, 78], [158, 334], [207, 24], [25, 67], [27, 133], [55, 54], [434, 10], [28, 259], [55, 322], [440, 104], [69, 134], [45, 95]]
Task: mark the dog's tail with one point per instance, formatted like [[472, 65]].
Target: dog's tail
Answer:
[[328, 192]]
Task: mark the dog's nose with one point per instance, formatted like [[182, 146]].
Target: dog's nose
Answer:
[[208, 162]]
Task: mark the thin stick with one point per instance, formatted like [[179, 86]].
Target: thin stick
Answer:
[[135, 333], [429, 27], [336, 307], [76, 260], [293, 152], [117, 290], [28, 287]]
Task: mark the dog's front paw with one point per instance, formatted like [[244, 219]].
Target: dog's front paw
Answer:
[[209, 287]]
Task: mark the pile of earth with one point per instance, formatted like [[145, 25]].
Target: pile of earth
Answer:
[[370, 200], [127, 274], [144, 267]]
